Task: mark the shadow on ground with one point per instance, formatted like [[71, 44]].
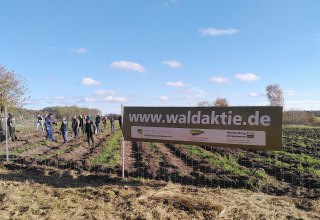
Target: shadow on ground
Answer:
[[67, 178]]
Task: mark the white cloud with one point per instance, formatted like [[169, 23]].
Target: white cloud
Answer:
[[172, 63], [128, 65], [247, 77], [87, 81], [51, 100], [219, 79], [254, 94], [290, 93], [217, 32], [308, 94], [79, 50], [177, 84], [59, 98], [193, 93], [104, 92], [114, 99], [163, 98], [88, 100], [108, 96]]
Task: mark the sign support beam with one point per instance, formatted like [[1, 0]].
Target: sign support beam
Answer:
[[6, 131], [122, 145]]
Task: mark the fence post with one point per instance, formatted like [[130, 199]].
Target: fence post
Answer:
[[122, 145], [6, 131]]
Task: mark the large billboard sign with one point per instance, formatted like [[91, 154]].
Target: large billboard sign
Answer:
[[237, 127]]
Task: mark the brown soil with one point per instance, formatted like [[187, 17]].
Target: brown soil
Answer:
[[147, 162], [59, 194], [130, 161], [174, 163]]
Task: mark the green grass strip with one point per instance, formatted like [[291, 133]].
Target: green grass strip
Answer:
[[154, 148], [110, 155], [227, 162], [302, 158]]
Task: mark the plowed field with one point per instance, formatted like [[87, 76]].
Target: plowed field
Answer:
[[294, 172]]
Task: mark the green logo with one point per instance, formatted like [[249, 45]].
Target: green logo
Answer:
[[196, 132]]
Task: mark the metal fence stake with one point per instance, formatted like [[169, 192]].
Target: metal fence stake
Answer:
[[6, 131], [122, 145]]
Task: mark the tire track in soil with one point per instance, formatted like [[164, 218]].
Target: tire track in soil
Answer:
[[41, 150], [207, 174], [99, 147], [55, 160], [21, 142], [305, 184], [153, 165], [282, 174], [174, 167], [79, 158], [242, 155], [147, 164], [46, 150], [313, 151], [296, 184], [32, 155], [130, 160]]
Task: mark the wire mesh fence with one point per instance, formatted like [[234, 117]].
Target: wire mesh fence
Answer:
[[293, 171]]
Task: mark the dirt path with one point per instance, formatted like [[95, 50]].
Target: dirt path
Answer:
[[69, 155], [205, 173], [174, 163], [130, 160], [21, 142], [147, 162], [81, 151], [100, 144], [155, 161]]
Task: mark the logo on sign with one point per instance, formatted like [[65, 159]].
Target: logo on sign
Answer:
[[196, 132], [250, 135]]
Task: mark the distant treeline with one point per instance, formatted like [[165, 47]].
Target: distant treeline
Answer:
[[58, 111], [309, 118], [21, 111], [69, 111]]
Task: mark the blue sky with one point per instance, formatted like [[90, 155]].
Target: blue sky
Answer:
[[162, 52]]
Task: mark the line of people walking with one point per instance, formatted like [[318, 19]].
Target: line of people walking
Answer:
[[80, 125]]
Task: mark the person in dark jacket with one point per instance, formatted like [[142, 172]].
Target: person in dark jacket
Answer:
[[111, 118], [104, 121], [120, 121], [11, 127], [97, 122], [82, 123], [64, 129], [90, 130], [49, 125], [75, 126]]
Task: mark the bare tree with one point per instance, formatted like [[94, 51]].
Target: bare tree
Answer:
[[275, 95], [221, 102], [13, 89]]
